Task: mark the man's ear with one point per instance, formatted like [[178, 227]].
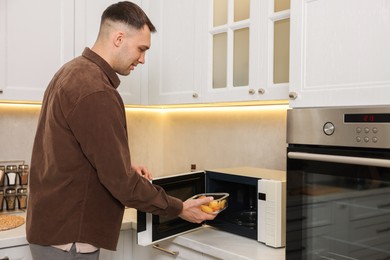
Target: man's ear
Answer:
[[118, 38]]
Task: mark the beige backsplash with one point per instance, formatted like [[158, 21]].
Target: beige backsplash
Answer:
[[168, 141]]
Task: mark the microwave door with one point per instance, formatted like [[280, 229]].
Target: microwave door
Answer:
[[152, 228]]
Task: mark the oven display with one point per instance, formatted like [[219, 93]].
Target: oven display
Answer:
[[367, 118]]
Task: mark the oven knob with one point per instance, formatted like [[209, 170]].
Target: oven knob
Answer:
[[374, 139], [358, 139], [366, 139], [375, 130], [329, 128], [358, 130]]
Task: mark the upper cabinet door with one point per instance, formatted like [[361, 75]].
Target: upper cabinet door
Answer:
[[340, 53], [87, 20], [248, 50], [177, 59], [36, 39]]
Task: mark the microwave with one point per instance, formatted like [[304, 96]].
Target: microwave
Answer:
[[256, 205]]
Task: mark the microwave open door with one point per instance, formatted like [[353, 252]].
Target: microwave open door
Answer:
[[152, 228]]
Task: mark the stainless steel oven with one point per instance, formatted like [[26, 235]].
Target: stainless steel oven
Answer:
[[338, 183]]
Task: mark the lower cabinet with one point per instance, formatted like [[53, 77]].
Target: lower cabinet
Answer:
[[124, 248], [16, 253]]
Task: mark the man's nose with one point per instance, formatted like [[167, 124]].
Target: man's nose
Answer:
[[142, 58]]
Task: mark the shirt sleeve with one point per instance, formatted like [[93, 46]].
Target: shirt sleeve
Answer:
[[98, 122]]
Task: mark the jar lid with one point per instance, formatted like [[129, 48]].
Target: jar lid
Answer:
[[22, 190], [23, 166], [2, 167], [11, 167], [10, 191]]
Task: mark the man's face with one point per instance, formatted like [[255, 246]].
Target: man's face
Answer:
[[133, 49]]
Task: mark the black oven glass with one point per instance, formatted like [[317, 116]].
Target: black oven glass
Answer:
[[182, 187], [337, 210]]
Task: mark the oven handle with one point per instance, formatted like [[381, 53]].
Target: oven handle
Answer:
[[340, 159]]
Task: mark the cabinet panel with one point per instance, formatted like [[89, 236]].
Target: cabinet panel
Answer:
[[342, 61], [175, 59], [248, 72], [34, 43]]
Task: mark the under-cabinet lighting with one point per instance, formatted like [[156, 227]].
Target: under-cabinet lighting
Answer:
[[264, 105]]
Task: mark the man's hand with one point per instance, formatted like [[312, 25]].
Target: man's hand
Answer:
[[192, 212], [143, 171]]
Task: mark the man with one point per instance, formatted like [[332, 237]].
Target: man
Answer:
[[81, 176]]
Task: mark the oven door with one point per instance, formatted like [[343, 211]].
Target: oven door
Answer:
[[338, 203], [152, 228]]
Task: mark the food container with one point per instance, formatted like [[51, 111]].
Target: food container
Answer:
[[22, 198], [215, 206], [2, 175], [12, 173], [1, 199], [23, 173], [10, 198]]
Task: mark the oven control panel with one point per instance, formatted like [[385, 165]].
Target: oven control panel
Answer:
[[355, 127]]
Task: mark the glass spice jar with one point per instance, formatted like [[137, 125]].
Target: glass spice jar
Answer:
[[22, 198], [10, 198], [12, 174], [2, 175], [23, 173], [1, 199]]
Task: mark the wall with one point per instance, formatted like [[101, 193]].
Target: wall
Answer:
[[168, 141]]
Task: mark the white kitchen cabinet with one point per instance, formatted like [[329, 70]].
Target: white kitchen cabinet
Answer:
[[36, 38], [248, 50], [124, 248], [218, 51], [177, 60], [16, 253], [339, 53], [87, 22]]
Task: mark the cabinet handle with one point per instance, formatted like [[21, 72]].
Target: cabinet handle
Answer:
[[292, 95], [381, 206], [175, 253], [251, 92], [195, 95], [261, 91], [384, 258], [383, 230], [303, 218], [1, 92]]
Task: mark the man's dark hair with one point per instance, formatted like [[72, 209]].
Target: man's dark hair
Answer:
[[129, 13]]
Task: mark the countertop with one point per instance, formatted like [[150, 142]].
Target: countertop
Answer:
[[206, 239]]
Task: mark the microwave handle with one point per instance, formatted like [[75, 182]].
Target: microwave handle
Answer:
[[339, 159]]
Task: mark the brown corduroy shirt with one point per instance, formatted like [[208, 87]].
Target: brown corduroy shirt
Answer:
[[80, 176]]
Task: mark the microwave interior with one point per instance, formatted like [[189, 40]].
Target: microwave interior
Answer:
[[240, 217]]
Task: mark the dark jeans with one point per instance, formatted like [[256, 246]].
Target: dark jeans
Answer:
[[51, 253]]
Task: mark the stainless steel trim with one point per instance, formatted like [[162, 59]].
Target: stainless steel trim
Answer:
[[175, 253], [340, 159]]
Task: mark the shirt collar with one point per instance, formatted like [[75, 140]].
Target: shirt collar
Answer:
[[95, 58]]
